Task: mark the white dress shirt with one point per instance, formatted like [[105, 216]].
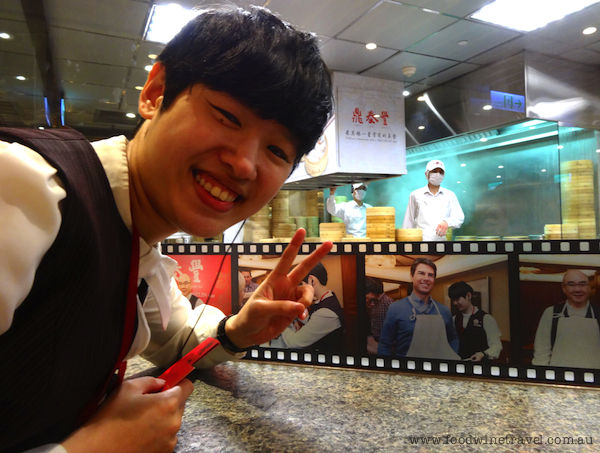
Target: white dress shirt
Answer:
[[353, 216]]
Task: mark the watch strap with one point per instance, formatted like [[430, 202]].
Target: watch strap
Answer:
[[224, 339]]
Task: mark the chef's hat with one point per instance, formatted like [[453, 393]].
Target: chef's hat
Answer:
[[356, 185], [433, 164]]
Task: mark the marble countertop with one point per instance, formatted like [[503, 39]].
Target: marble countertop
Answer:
[[262, 407]]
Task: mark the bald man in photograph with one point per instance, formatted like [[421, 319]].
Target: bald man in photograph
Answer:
[[569, 333]]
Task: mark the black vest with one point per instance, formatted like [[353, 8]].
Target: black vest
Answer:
[[473, 338], [333, 341], [66, 335]]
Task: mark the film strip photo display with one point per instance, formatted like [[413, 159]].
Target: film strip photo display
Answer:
[[523, 310]]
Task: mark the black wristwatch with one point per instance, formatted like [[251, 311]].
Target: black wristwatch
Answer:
[[224, 339]]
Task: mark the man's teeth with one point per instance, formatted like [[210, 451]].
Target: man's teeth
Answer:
[[217, 192]]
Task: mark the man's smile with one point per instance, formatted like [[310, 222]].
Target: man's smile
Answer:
[[216, 189]]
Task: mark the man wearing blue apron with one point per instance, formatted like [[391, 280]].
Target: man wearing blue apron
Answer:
[[569, 333], [418, 326]]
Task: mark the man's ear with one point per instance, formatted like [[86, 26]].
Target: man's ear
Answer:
[[469, 296], [151, 96]]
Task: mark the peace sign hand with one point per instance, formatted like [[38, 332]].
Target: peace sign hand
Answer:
[[278, 300]]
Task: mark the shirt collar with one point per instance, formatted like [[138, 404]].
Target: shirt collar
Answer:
[[423, 306]]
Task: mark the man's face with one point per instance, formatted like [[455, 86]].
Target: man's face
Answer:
[[437, 170], [423, 279], [207, 162], [371, 299], [247, 277], [463, 304], [185, 284], [577, 288]]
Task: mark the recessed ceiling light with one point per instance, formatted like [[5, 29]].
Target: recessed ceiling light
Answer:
[[463, 165], [4, 36], [598, 150], [529, 15], [41, 128], [560, 147], [148, 68], [421, 98], [165, 21], [406, 93], [543, 170], [427, 10], [589, 30], [421, 127], [500, 166], [457, 182], [20, 77], [371, 46], [152, 56], [498, 176], [464, 42], [483, 139], [139, 88], [487, 107], [130, 115]]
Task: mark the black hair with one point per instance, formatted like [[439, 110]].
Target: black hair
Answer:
[[373, 285], [319, 272], [458, 290], [263, 62], [426, 261]]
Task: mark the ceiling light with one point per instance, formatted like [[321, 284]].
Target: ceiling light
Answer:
[[560, 147], [427, 10], [457, 182], [500, 166], [498, 176], [408, 71], [463, 165], [4, 36], [421, 127], [528, 15], [589, 30], [487, 107], [371, 46], [421, 98], [543, 170], [130, 115], [598, 150], [148, 67], [165, 21], [152, 56], [139, 88], [483, 139], [41, 128], [464, 42], [406, 93], [20, 77]]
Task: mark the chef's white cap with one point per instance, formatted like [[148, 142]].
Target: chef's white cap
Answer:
[[433, 164], [356, 185]]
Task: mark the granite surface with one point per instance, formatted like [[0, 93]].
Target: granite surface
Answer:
[[261, 407]]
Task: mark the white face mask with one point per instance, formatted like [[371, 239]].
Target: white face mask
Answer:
[[359, 194], [436, 178]]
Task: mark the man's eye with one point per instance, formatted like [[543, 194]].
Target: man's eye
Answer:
[[227, 115], [278, 152]]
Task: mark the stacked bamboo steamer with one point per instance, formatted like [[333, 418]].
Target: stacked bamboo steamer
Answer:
[[261, 224], [381, 224], [339, 199], [284, 226], [312, 227], [561, 231], [333, 231], [577, 197], [409, 235]]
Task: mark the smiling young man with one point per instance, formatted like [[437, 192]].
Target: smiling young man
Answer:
[[233, 103], [418, 326], [568, 333]]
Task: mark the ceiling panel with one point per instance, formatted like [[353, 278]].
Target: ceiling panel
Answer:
[[479, 38], [395, 26], [450, 73], [122, 18], [352, 57], [569, 29], [76, 45], [91, 73], [322, 17], [426, 66], [583, 56], [416, 88], [20, 41], [458, 8], [15, 64], [11, 9]]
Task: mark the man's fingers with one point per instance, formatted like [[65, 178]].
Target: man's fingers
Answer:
[[305, 266], [290, 253]]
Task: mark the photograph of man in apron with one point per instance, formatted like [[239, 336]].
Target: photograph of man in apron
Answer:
[[569, 333], [418, 326]]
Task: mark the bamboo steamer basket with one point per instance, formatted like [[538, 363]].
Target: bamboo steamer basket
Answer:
[[381, 224], [578, 201], [333, 231], [409, 235], [312, 226], [561, 231]]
